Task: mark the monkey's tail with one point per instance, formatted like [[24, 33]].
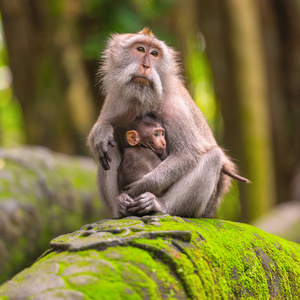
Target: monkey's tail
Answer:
[[235, 176]]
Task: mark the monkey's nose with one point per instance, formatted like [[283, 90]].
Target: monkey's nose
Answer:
[[146, 66], [146, 62]]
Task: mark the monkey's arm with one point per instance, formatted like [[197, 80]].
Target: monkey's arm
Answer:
[[163, 176], [186, 148], [100, 138]]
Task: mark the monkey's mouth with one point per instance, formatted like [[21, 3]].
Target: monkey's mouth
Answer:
[[141, 80], [159, 150]]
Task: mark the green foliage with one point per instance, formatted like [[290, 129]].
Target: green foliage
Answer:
[[230, 208], [201, 83], [120, 16], [11, 121], [201, 87]]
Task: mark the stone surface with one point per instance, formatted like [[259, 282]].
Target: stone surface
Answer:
[[42, 194], [134, 258]]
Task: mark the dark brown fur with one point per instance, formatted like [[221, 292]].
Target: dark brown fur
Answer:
[[139, 160]]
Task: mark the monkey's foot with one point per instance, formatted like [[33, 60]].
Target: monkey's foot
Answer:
[[122, 201], [144, 204]]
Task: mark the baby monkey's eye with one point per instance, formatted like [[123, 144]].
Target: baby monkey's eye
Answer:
[[156, 134], [141, 49], [154, 53]]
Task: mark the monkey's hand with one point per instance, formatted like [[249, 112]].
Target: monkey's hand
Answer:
[[103, 138], [123, 201], [145, 204]]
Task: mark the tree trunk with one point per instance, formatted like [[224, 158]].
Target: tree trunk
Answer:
[[48, 71], [235, 49], [281, 29]]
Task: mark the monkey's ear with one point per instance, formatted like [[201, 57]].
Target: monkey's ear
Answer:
[[132, 137]]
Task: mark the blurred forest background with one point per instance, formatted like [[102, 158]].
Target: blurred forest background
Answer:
[[240, 59]]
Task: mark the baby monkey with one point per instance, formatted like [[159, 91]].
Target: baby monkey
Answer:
[[146, 150]]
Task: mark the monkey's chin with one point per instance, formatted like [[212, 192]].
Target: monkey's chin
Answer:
[[159, 150], [141, 80]]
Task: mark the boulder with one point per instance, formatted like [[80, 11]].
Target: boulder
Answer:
[[42, 194], [162, 257]]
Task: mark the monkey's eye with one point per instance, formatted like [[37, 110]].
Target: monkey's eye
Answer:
[[140, 49], [162, 133], [154, 53], [156, 134]]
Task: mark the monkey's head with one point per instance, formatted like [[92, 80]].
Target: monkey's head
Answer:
[[148, 132], [138, 67]]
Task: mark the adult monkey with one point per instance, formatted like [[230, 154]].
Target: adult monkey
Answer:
[[140, 76]]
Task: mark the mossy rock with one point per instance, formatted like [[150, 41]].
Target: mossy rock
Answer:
[[162, 257], [42, 194]]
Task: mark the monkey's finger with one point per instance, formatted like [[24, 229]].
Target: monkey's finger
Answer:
[[124, 200], [107, 157], [133, 205], [145, 210], [142, 209], [101, 156], [104, 163], [141, 204], [146, 196], [128, 201], [123, 208], [112, 143], [123, 212], [141, 197]]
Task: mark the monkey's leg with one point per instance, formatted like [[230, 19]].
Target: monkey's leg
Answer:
[[192, 194], [107, 182]]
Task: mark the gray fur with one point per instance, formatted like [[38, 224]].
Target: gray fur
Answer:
[[191, 175]]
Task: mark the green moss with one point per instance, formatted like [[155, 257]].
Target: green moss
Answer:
[[47, 194], [191, 258], [234, 249]]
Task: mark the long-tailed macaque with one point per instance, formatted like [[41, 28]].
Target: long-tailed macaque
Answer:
[[140, 76], [146, 150]]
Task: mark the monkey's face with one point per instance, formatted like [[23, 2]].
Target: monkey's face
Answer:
[[139, 71], [137, 67], [147, 57], [153, 138], [158, 140]]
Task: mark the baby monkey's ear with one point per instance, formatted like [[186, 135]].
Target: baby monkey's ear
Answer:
[[132, 137]]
